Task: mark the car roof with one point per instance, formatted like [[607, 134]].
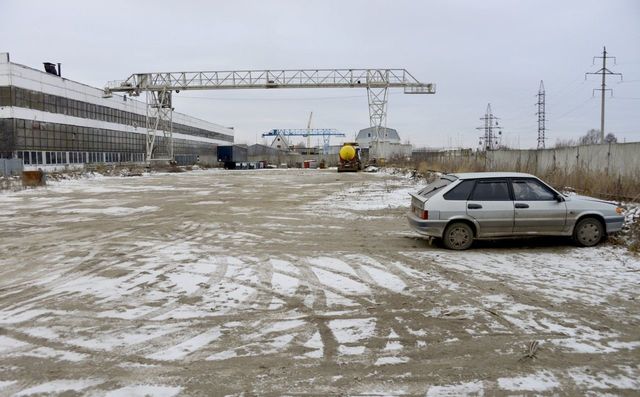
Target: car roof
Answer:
[[477, 175]]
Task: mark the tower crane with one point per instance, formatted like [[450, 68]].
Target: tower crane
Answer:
[[159, 88], [309, 136]]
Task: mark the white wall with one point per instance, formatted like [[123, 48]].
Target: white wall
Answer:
[[612, 159], [36, 80]]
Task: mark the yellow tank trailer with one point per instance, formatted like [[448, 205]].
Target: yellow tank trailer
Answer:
[[349, 158]]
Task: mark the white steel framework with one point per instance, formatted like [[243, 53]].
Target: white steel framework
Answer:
[[160, 85], [159, 118]]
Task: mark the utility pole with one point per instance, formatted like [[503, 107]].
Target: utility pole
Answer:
[[541, 116], [603, 87], [490, 139]]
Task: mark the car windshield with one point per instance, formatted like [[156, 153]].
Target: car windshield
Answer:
[[436, 185]]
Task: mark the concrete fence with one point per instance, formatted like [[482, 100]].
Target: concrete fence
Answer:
[[11, 167], [615, 159]]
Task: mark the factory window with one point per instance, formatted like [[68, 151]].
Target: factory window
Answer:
[[5, 96]]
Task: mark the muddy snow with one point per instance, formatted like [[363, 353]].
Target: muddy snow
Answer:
[[295, 281]]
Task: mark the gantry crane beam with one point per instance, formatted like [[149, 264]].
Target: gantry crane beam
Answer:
[[265, 79], [160, 86]]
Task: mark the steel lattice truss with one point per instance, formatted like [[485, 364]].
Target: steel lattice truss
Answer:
[[541, 116], [160, 86], [260, 79]]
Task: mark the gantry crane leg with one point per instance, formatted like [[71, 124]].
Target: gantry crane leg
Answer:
[[377, 116], [159, 118]]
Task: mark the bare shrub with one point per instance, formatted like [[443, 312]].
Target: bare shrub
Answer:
[[588, 182]]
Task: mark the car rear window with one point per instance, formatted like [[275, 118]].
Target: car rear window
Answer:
[[460, 192], [434, 187]]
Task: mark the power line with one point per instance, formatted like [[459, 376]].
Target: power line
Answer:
[[603, 87], [573, 109], [563, 94]]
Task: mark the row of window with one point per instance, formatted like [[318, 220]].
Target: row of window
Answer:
[[54, 158], [34, 135], [525, 189], [38, 135], [23, 98]]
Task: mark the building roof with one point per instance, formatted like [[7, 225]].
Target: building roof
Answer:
[[475, 175], [385, 134]]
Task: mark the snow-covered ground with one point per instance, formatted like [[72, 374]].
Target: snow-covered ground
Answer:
[[275, 281]]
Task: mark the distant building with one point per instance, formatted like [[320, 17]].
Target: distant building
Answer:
[[368, 135], [388, 145], [280, 142], [52, 122], [273, 155]]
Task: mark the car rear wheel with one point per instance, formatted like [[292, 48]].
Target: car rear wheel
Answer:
[[588, 232], [458, 236]]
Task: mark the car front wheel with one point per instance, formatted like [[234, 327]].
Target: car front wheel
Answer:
[[458, 236], [588, 232]]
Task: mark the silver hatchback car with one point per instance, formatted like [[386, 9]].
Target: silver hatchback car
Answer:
[[459, 208]]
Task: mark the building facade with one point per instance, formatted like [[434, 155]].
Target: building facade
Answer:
[[388, 146], [368, 135], [49, 122]]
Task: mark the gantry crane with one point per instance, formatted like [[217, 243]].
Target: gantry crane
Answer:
[[160, 86], [325, 133]]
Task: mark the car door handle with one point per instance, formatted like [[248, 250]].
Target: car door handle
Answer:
[[522, 205], [474, 206]]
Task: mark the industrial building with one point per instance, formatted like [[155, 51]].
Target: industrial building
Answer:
[[51, 122], [368, 135], [387, 145]]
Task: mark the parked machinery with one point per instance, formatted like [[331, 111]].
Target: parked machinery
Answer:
[[349, 158], [233, 156]]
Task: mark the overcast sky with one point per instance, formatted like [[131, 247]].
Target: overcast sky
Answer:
[[476, 52]]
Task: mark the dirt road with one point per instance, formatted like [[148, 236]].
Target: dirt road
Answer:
[[294, 281]]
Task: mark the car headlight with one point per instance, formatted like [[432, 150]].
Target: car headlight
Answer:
[[619, 210]]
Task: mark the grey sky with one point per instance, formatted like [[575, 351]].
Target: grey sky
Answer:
[[474, 51]]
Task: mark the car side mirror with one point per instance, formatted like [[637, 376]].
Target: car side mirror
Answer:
[[559, 198]]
